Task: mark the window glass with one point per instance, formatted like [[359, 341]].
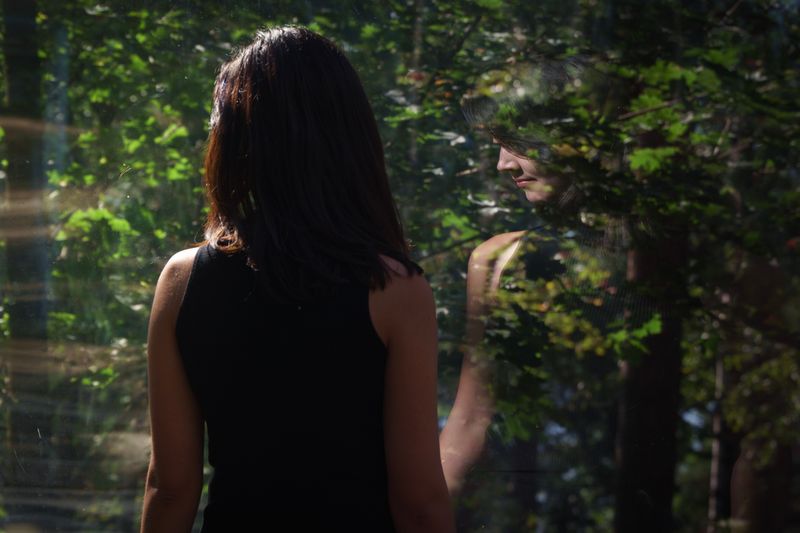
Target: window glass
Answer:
[[604, 196]]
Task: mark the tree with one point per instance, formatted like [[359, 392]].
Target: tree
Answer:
[[27, 257]]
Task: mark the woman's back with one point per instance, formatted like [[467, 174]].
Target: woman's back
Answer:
[[320, 414], [292, 397]]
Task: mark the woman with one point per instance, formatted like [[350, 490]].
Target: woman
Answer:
[[300, 333], [556, 249], [463, 438]]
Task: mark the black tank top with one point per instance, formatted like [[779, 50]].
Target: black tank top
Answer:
[[292, 397]]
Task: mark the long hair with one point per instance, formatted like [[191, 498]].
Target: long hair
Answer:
[[294, 170]]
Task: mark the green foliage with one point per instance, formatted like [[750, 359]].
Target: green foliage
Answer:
[[649, 160], [621, 339], [99, 378]]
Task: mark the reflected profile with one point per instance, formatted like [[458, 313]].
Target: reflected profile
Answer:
[[578, 336]]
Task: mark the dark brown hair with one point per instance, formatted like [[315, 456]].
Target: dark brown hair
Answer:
[[294, 170]]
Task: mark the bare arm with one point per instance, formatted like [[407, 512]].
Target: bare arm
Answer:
[[175, 475], [404, 315], [464, 436]]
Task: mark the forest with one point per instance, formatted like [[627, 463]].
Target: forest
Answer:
[[671, 403]]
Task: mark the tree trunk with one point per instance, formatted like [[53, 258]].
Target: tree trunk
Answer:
[[23, 215], [724, 450], [525, 479], [761, 493], [416, 73], [28, 463], [648, 410]]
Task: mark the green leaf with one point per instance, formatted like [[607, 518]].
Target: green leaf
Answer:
[[99, 95], [676, 129], [651, 327], [173, 131], [490, 4], [368, 30], [137, 63], [114, 44], [131, 145], [650, 160]]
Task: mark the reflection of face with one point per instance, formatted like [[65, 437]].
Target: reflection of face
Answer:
[[529, 176]]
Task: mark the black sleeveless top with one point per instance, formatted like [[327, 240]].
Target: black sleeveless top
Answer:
[[292, 397]]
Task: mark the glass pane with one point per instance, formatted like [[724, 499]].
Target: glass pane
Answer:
[[603, 194]]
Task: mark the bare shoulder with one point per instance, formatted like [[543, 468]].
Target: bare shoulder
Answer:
[[490, 249], [406, 295], [402, 284], [173, 280], [182, 261], [396, 268]]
